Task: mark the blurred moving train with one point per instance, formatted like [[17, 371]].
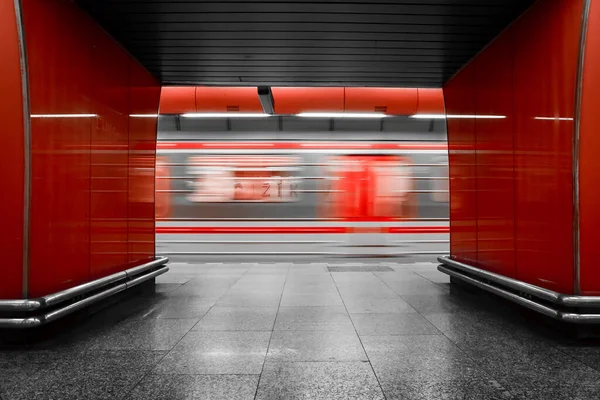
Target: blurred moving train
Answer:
[[231, 189], [301, 171]]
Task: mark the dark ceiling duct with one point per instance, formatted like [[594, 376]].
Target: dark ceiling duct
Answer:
[[266, 99]]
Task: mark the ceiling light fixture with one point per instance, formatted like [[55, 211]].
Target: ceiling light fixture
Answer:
[[63, 115], [225, 115], [340, 115], [553, 118], [456, 116], [143, 115]]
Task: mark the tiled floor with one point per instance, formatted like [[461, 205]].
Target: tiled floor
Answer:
[[296, 331]]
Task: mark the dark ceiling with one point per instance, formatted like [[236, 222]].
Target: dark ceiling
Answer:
[[404, 43]]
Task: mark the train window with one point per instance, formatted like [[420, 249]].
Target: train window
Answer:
[[262, 179], [441, 184], [370, 187]]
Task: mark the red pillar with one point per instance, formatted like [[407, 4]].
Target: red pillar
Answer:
[[85, 123], [524, 151]]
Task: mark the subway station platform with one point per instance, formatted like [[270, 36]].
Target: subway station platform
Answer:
[[303, 330]]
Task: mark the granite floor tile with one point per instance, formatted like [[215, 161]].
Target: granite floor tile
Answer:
[[366, 305], [486, 389], [420, 358], [378, 291], [238, 319], [147, 334], [94, 375], [178, 308], [311, 299], [318, 380], [315, 346], [393, 324], [443, 303], [195, 387], [212, 352], [313, 319], [410, 287], [250, 299]]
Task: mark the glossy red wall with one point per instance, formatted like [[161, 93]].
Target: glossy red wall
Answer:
[[589, 168], [523, 185], [459, 97], [88, 192], [12, 165]]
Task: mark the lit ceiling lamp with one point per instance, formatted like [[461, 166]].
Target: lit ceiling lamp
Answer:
[[225, 115], [456, 116], [340, 115], [143, 115], [63, 115], [553, 118]]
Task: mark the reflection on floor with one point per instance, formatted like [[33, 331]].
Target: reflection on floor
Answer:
[[299, 331]]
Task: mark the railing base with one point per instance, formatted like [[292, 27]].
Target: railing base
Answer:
[[32, 313], [565, 308]]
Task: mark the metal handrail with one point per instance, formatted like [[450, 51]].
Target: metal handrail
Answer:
[[80, 290]]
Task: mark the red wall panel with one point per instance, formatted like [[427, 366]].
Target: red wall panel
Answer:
[[528, 75], [12, 165], [144, 98], [495, 158], [60, 81], [109, 158], [82, 182], [546, 55], [178, 99], [589, 171], [459, 96]]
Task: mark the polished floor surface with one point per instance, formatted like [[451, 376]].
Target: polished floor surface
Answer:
[[293, 330]]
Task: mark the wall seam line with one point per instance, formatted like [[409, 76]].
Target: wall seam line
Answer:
[[576, 146], [26, 146]]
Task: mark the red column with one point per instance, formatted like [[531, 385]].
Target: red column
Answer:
[[93, 114], [514, 104]]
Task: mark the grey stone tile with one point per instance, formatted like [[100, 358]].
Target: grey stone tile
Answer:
[[178, 308], [318, 380], [210, 352], [313, 319], [411, 287], [542, 387], [147, 334], [374, 291], [311, 299], [485, 389], [171, 277], [315, 346], [443, 303], [250, 299], [588, 355], [92, 375], [166, 287], [238, 319], [393, 324], [195, 387], [360, 305], [419, 358]]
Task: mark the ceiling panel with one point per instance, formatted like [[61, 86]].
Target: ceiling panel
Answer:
[[410, 43]]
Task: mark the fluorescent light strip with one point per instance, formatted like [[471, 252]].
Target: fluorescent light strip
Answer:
[[143, 115], [225, 115], [456, 116], [63, 115], [429, 116], [340, 115], [553, 118]]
